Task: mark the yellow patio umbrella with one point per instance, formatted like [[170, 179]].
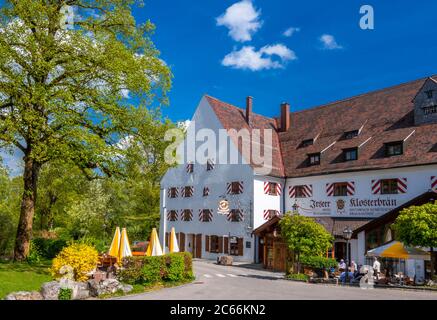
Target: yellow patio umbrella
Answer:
[[115, 244], [125, 250], [173, 242], [396, 249], [154, 248]]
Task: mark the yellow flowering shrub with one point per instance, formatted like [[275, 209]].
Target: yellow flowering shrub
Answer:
[[81, 257]]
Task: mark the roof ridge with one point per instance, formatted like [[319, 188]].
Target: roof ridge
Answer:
[[329, 104], [241, 109]]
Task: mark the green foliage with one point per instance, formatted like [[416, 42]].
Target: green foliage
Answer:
[[417, 225], [304, 236], [88, 96], [298, 276], [318, 262], [35, 254], [174, 267], [65, 294], [49, 248]]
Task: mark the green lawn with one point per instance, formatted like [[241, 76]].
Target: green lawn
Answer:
[[22, 277]]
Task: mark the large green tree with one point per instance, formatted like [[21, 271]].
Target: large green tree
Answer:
[[63, 92], [417, 226], [304, 236]]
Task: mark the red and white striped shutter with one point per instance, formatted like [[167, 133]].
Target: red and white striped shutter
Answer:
[[200, 214], [402, 185], [191, 191], [183, 192], [228, 187], [308, 190], [266, 187], [350, 188], [434, 183], [267, 214], [278, 189], [330, 189], [169, 192], [240, 187], [291, 191], [376, 186]]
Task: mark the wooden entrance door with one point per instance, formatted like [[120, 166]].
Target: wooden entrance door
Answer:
[[181, 242], [280, 256], [197, 252]]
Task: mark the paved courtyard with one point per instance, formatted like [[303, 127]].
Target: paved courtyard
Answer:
[[242, 283]]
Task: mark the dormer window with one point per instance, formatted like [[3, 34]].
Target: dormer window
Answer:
[[394, 148], [350, 134], [350, 154], [314, 159], [430, 110], [307, 143], [429, 94]]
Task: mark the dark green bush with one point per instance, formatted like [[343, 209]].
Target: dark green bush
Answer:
[[298, 276], [318, 262], [49, 248], [173, 267]]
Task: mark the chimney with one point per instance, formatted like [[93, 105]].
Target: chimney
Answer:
[[285, 116], [248, 110]]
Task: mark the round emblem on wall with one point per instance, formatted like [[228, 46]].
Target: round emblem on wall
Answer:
[[223, 206]]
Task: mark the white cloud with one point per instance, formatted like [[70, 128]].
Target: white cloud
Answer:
[[290, 31], [251, 59], [242, 20], [329, 42]]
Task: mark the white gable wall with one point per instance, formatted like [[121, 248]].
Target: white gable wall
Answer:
[[216, 180]]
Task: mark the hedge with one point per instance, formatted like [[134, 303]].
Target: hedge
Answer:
[[49, 248], [317, 262], [173, 267]]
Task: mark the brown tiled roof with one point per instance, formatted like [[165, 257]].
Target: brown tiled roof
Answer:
[[383, 116], [335, 226], [232, 117]]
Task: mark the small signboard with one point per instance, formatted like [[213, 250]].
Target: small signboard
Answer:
[[233, 240]]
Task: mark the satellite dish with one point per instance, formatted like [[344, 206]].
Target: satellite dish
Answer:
[[223, 207]]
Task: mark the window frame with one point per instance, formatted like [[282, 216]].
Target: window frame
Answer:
[[348, 150], [273, 185], [173, 192], [298, 192], [235, 187], [391, 188], [235, 217], [311, 155], [214, 242], [306, 143], [343, 186], [393, 144], [348, 135], [190, 192], [430, 110]]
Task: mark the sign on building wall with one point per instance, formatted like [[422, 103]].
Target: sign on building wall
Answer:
[[346, 206]]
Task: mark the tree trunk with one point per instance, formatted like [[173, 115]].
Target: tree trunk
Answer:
[[24, 231]]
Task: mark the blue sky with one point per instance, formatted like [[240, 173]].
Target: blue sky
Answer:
[[194, 43]]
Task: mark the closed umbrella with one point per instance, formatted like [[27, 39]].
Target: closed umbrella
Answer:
[[173, 243], [115, 244], [154, 248], [125, 250]]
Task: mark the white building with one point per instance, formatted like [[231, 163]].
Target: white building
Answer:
[[344, 163]]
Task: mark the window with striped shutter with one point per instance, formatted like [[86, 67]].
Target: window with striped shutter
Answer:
[[389, 186], [187, 215], [300, 191], [340, 189], [187, 191], [272, 188], [434, 183], [172, 215], [205, 215], [235, 215], [235, 187]]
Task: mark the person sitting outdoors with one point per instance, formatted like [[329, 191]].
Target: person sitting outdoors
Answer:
[[341, 265], [343, 277]]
